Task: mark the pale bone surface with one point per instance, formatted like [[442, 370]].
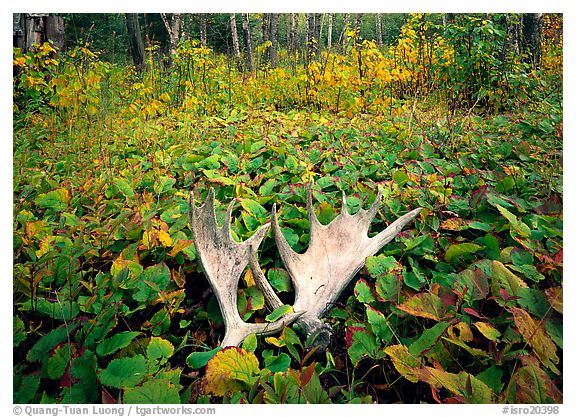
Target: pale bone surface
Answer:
[[223, 261], [335, 254]]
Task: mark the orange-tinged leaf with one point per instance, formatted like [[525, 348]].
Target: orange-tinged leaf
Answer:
[[179, 246], [229, 370], [535, 335], [454, 224], [555, 298], [425, 305], [34, 228]]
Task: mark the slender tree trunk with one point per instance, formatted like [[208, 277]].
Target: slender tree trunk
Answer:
[[330, 22], [274, 39], [317, 29], [322, 18], [248, 42], [266, 18], [203, 41], [379, 30], [135, 39], [513, 29], [234, 31], [173, 29]]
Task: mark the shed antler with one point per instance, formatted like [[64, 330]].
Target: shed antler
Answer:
[[335, 254], [224, 260]]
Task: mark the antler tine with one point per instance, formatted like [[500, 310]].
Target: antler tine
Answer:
[[224, 260], [310, 208], [344, 211], [270, 298], [392, 230]]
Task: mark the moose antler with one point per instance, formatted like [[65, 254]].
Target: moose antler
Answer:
[[335, 254], [223, 261]]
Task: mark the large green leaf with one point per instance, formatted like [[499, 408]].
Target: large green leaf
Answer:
[[199, 359], [124, 372], [153, 279], [45, 344], [379, 324], [460, 249], [364, 344], [363, 292], [279, 279], [115, 342], [428, 339]]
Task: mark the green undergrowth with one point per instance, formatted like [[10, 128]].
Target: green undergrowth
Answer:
[[464, 305]]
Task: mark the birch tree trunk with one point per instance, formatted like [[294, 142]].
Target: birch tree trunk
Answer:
[[248, 42], [342, 37], [379, 30], [135, 39], [173, 29], [234, 31], [203, 29], [330, 22], [293, 41]]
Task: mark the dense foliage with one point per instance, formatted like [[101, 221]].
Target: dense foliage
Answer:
[[465, 305]]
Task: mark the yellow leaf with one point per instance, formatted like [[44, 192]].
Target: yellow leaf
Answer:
[[461, 331], [44, 246], [461, 384], [503, 278], [164, 238], [533, 333], [249, 279], [404, 362], [488, 330], [148, 238], [454, 224]]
